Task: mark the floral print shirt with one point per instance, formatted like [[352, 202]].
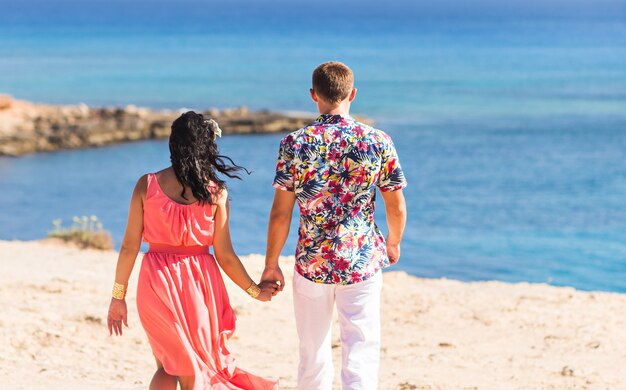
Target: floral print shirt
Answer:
[[334, 167]]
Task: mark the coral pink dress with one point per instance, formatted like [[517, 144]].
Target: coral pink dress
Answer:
[[181, 298]]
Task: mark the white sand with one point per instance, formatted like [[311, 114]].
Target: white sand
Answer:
[[436, 333]]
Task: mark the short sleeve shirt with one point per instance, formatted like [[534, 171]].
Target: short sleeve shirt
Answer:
[[334, 167]]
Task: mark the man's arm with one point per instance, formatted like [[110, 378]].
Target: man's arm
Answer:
[[395, 207], [277, 232]]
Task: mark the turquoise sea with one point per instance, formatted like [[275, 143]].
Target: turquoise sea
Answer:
[[511, 126]]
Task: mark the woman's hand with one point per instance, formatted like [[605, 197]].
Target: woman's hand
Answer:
[[117, 315], [268, 290]]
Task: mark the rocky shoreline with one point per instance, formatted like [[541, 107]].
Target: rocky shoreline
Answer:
[[27, 127]]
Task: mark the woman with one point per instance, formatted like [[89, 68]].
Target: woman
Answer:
[[181, 298]]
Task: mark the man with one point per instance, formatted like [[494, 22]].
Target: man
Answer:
[[332, 168]]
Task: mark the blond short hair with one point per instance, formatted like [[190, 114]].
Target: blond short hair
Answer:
[[333, 81]]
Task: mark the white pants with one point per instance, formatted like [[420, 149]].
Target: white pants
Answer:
[[358, 306]]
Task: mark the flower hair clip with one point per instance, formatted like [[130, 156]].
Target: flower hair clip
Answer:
[[218, 131]]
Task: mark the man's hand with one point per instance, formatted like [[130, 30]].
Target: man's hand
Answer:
[[393, 252], [274, 274]]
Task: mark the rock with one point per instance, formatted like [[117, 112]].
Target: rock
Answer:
[[143, 112], [83, 110], [242, 111], [593, 344], [131, 109], [6, 102], [212, 112], [567, 371]]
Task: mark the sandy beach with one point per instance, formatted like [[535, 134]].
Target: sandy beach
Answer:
[[437, 334]]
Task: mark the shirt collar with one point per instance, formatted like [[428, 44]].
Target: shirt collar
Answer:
[[332, 119]]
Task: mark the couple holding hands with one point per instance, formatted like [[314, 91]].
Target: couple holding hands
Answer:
[[332, 169]]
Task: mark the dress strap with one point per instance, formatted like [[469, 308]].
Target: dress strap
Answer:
[[152, 187]]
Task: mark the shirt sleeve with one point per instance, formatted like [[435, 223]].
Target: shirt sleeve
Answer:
[[285, 169], [391, 176]]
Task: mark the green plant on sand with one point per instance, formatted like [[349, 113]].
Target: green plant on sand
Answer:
[[85, 232]]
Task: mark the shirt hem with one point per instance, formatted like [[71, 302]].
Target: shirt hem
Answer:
[[394, 188], [379, 269], [282, 187]]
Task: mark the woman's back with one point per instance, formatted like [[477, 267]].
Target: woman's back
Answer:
[[181, 299], [170, 222]]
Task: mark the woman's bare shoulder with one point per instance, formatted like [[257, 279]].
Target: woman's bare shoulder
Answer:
[[141, 187]]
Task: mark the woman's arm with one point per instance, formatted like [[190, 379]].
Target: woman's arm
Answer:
[[128, 254], [226, 256]]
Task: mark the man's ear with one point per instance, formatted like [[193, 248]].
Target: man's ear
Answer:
[[352, 95], [313, 95]]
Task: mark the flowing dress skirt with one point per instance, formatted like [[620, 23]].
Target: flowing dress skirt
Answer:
[[184, 308]]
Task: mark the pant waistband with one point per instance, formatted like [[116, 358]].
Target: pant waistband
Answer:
[[179, 250]]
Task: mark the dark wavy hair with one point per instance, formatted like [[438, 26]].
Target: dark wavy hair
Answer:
[[195, 158]]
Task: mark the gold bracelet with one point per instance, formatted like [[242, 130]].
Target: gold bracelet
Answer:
[[119, 291], [253, 290]]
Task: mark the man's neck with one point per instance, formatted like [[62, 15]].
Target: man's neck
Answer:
[[335, 112], [342, 109]]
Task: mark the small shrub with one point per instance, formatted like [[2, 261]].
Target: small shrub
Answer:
[[86, 232]]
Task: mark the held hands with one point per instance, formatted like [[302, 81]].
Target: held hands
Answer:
[[268, 290], [117, 316], [274, 274], [272, 282]]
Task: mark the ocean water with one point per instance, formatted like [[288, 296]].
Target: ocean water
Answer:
[[511, 129]]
